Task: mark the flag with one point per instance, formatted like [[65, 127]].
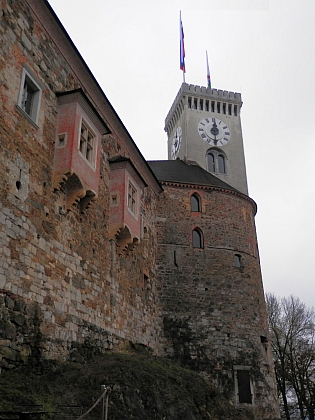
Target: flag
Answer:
[[182, 47], [208, 73]]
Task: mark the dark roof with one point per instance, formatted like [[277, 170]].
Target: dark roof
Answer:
[[183, 172]]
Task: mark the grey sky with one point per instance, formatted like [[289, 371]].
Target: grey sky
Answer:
[[263, 49]]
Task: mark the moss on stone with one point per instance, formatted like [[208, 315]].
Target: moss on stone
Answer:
[[142, 387]]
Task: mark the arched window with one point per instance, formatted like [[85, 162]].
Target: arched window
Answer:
[[195, 203], [216, 161], [197, 238], [210, 162], [221, 164]]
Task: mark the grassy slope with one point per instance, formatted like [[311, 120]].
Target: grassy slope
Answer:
[[143, 387]]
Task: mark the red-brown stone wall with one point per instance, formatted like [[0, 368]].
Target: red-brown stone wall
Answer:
[[63, 269], [213, 312], [61, 261]]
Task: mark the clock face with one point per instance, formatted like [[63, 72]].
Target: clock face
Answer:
[[214, 131], [177, 139]]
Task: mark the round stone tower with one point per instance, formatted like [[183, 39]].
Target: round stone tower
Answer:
[[210, 285]]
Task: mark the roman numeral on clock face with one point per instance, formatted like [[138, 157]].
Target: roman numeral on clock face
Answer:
[[214, 131]]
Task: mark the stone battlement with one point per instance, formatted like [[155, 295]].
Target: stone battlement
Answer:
[[208, 93], [211, 93]]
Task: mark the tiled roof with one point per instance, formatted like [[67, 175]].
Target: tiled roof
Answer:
[[179, 171]]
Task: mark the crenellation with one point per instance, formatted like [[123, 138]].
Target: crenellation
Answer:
[[207, 94]]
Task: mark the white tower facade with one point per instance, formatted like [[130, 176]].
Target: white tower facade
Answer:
[[204, 125]]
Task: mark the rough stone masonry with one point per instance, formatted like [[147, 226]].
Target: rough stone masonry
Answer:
[[97, 245]]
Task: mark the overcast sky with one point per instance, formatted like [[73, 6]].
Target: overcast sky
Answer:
[[263, 49]]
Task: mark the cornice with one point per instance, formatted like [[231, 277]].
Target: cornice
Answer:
[[213, 188]]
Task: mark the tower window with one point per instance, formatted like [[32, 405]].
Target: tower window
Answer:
[[264, 342], [243, 387], [195, 203], [207, 105], [216, 161], [201, 104], [211, 162], [189, 102], [29, 95], [212, 106], [195, 103], [218, 107], [221, 164], [224, 108], [197, 238], [235, 110], [237, 260], [230, 109]]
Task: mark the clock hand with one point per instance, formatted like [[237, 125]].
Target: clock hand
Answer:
[[214, 131]]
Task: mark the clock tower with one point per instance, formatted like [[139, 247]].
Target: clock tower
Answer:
[[204, 125]]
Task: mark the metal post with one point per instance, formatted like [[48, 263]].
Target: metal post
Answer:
[[106, 407], [103, 387]]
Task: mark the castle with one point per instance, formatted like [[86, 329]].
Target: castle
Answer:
[[99, 247]]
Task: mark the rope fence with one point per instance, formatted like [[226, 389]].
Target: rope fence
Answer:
[[104, 404]]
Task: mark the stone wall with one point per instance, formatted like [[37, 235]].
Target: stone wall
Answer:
[[214, 313], [20, 335], [66, 288], [63, 262]]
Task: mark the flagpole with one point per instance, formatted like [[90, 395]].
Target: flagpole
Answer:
[[208, 72], [181, 46]]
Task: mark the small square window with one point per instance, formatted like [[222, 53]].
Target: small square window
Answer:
[[87, 143], [29, 95], [61, 140], [132, 198], [114, 200]]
